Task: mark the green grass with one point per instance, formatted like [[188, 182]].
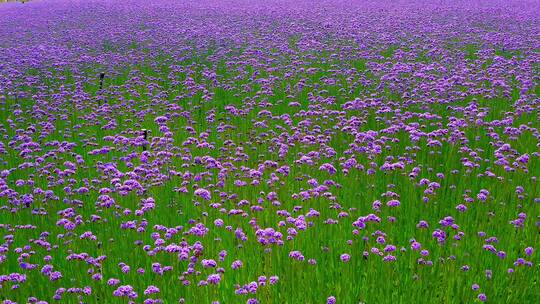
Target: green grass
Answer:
[[366, 280]]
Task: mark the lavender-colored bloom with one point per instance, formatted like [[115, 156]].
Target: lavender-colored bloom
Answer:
[[151, 290], [214, 279], [461, 208], [393, 203], [297, 255], [415, 245], [389, 258], [203, 193], [125, 269], [328, 168], [208, 263], [236, 264]]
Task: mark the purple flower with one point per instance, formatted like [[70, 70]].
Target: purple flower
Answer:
[[389, 258], [236, 264], [328, 168], [203, 193], [345, 257], [214, 279], [55, 275], [415, 245], [393, 203], [125, 291], [461, 208], [125, 269], [297, 255], [151, 290], [208, 263]]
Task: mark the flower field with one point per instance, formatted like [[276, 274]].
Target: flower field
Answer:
[[280, 151]]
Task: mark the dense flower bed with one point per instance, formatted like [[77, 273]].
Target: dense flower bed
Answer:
[[269, 151]]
